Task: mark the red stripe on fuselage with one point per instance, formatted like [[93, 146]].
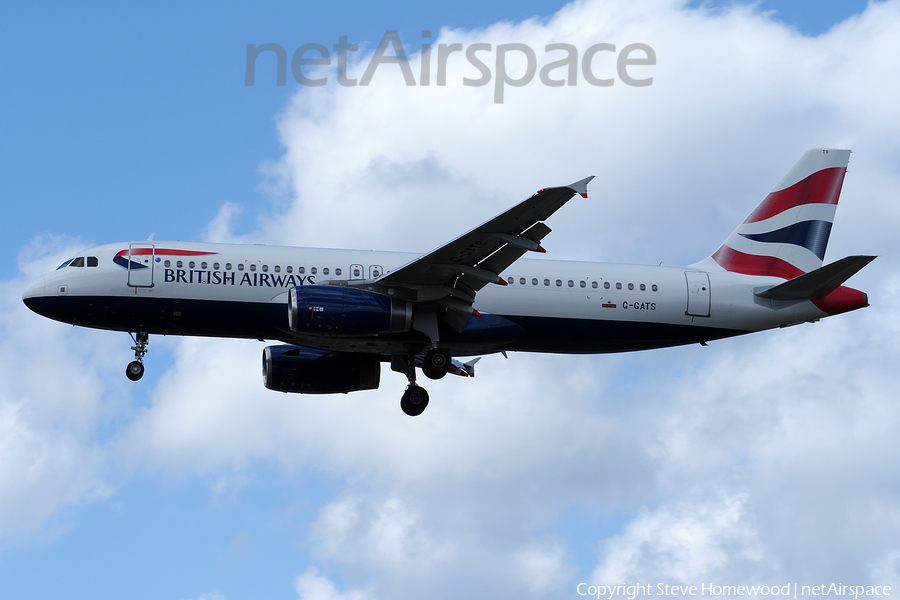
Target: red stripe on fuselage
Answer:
[[164, 252], [822, 187]]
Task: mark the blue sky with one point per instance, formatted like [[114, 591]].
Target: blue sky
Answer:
[[680, 465]]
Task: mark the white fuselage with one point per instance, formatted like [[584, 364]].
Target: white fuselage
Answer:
[[231, 290]]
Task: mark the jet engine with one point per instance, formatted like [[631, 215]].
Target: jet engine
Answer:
[[346, 311], [309, 371]]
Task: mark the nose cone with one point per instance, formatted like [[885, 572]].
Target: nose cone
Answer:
[[34, 294]]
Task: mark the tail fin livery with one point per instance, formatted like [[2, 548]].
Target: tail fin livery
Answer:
[[786, 235]]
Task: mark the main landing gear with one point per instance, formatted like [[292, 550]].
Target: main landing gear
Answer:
[[435, 365], [414, 400], [135, 369]]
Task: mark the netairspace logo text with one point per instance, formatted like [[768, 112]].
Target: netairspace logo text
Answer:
[[563, 70], [791, 590]]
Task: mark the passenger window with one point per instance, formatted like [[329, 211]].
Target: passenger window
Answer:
[[630, 286], [571, 283], [301, 270], [277, 268], [215, 266], [168, 263], [522, 280], [534, 281], [337, 272], [643, 288], [605, 285], [265, 268], [227, 266], [618, 286], [654, 288], [191, 265], [313, 271], [252, 267], [356, 272], [92, 261], [594, 284], [325, 271], [289, 269], [546, 282], [582, 283], [203, 265], [240, 266], [559, 283]]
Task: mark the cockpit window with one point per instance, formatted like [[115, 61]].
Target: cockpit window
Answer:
[[92, 261], [65, 264], [77, 262]]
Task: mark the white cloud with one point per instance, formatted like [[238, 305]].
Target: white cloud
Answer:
[[312, 586], [686, 544], [51, 402]]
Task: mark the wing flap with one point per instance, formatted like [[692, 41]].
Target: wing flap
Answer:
[[518, 228], [443, 282]]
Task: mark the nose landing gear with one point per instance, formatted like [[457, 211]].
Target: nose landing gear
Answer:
[[135, 369]]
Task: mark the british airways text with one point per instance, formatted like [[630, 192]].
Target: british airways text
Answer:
[[230, 278]]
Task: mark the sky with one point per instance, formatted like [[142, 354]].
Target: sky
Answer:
[[762, 460]]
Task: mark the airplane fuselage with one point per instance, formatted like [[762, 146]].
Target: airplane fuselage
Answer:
[[241, 291]]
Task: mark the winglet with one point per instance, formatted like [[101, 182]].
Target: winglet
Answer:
[[580, 187]]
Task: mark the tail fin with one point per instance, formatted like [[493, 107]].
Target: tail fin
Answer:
[[787, 234]]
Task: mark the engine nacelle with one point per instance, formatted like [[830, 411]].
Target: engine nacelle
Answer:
[[309, 371], [346, 311]]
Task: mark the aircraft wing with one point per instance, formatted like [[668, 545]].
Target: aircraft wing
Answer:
[[451, 274]]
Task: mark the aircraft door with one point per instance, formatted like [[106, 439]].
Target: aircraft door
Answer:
[[357, 272], [697, 293], [140, 265], [375, 271]]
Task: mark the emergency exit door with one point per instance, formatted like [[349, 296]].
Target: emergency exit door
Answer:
[[697, 293]]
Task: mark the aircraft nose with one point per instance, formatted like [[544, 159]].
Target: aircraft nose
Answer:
[[36, 289]]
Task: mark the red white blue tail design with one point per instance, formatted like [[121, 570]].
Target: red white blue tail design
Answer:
[[787, 234]]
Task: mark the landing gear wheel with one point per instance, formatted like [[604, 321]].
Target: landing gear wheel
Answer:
[[414, 401], [436, 363], [135, 370]]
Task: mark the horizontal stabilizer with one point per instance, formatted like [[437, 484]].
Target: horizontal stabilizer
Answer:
[[818, 283], [463, 369]]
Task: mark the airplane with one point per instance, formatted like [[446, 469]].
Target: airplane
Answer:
[[338, 314]]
